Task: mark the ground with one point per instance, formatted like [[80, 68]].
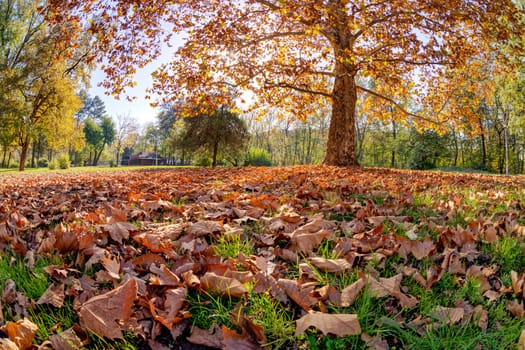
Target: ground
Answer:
[[305, 257]]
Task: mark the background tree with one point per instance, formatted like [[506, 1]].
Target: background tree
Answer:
[[98, 136], [126, 133], [292, 53], [222, 133], [93, 107], [39, 76]]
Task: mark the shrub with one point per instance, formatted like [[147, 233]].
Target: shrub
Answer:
[[258, 157], [63, 161], [53, 164], [203, 161], [42, 163]]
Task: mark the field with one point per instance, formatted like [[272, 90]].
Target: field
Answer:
[[305, 257]]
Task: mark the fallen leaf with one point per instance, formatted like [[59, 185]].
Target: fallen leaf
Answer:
[[67, 340], [8, 344], [103, 313], [222, 285], [330, 265], [448, 315], [375, 343], [521, 341], [119, 231], [337, 324], [212, 337], [172, 305], [21, 332], [350, 293], [204, 228], [233, 340], [298, 293], [163, 276], [53, 295], [516, 308]]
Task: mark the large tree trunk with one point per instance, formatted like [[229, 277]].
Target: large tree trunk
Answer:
[[483, 145], [23, 155], [341, 148]]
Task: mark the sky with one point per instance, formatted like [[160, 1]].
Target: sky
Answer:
[[139, 108]]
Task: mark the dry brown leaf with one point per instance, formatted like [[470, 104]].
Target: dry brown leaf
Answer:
[[384, 286], [67, 340], [212, 337], [21, 332], [153, 242], [481, 317], [163, 276], [330, 265], [53, 295], [375, 343], [103, 313], [309, 236], [222, 285], [204, 228], [119, 231], [299, 294], [112, 267], [350, 293], [521, 341], [516, 308], [190, 279], [8, 344], [448, 315], [422, 249], [336, 324], [172, 305], [233, 340]]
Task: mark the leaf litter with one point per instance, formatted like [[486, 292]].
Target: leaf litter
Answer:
[[136, 244]]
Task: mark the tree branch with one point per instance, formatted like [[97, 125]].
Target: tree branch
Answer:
[[396, 104]]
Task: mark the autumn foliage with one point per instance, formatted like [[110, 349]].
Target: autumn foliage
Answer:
[[303, 56], [139, 246]]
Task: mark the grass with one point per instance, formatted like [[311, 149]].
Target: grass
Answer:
[[230, 245], [86, 169]]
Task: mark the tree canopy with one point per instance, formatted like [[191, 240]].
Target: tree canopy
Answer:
[[222, 133], [298, 55]]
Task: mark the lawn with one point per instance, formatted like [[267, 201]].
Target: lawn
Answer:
[[305, 257]]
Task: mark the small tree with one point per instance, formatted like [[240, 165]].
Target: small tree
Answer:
[[126, 134], [99, 135], [220, 133]]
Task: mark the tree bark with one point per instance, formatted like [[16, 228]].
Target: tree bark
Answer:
[[215, 151], [483, 145], [23, 155], [340, 148]]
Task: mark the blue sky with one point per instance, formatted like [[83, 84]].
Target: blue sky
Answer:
[[138, 109]]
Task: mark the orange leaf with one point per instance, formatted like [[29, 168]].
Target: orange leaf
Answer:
[[102, 313]]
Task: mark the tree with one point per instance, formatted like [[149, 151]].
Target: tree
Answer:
[[98, 136], [93, 108], [125, 133], [223, 132], [291, 53], [39, 76]]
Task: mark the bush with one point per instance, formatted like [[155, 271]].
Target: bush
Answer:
[[203, 161], [258, 157], [112, 163], [42, 163], [53, 164], [63, 161]]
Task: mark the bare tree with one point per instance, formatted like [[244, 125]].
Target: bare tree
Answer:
[[127, 133]]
